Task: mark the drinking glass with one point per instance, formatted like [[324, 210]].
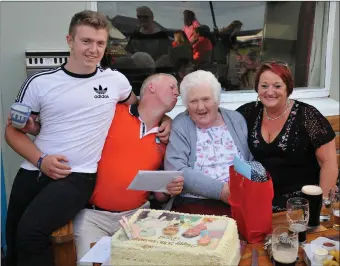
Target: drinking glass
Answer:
[[326, 210], [336, 210], [285, 246], [298, 217], [314, 196], [20, 114]]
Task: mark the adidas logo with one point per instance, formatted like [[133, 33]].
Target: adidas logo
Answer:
[[100, 92]]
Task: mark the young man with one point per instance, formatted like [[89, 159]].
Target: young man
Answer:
[[131, 145], [75, 103]]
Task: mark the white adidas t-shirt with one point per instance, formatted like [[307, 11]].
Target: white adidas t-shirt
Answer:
[[75, 112]]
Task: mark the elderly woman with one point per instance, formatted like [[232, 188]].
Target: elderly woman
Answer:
[[292, 139], [203, 142]]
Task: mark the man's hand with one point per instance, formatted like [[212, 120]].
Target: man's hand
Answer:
[[164, 130], [175, 187], [53, 166], [225, 193], [32, 127]]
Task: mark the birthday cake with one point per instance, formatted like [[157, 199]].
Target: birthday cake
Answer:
[[171, 238]]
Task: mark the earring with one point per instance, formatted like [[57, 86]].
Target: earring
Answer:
[[257, 101], [288, 102]]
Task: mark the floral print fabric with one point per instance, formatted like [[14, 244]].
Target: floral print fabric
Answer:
[[215, 151]]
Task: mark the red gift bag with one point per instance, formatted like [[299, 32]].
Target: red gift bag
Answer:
[[251, 206]]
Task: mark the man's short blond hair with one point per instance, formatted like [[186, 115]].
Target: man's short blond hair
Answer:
[[88, 18]]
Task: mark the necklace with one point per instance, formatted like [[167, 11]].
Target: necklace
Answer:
[[275, 118]]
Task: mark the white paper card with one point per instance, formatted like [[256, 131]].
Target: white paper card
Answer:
[[107, 263], [100, 252], [242, 168], [155, 181]]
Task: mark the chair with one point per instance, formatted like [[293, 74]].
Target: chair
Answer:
[[64, 248]]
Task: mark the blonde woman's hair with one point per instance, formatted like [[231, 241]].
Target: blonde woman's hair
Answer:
[[180, 37]]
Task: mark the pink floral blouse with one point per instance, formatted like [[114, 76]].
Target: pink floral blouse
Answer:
[[215, 151]]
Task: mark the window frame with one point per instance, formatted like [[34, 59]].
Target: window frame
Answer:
[[298, 93]]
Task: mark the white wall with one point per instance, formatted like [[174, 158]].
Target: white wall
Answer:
[[27, 25]]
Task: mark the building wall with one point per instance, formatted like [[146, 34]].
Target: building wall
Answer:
[[27, 25], [43, 25]]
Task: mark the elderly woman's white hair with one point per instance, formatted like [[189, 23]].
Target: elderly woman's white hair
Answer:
[[197, 79]]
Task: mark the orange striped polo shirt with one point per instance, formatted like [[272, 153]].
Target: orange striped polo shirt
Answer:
[[127, 150]]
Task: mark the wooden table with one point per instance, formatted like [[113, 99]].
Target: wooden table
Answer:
[[279, 219]]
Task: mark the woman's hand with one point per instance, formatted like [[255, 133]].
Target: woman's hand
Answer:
[[175, 187]]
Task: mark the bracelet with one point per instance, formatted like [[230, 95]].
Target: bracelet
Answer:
[[40, 160]]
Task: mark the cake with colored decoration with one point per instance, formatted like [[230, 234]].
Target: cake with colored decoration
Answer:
[[171, 238]]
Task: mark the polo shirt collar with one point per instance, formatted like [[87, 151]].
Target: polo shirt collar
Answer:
[[133, 110]]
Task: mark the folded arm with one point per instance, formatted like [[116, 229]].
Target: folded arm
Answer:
[[52, 165]]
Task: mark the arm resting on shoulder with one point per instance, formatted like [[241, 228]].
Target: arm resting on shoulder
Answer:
[[22, 144], [131, 100], [164, 129], [195, 182], [326, 156]]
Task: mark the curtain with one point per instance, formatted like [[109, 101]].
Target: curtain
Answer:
[[304, 43], [316, 74]]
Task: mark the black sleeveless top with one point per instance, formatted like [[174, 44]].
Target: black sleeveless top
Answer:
[[290, 158]]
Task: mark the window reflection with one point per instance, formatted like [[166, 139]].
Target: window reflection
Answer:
[[230, 39]]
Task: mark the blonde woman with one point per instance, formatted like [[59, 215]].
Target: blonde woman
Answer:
[[180, 38]]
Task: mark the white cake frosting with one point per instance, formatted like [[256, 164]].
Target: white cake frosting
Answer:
[[161, 240]]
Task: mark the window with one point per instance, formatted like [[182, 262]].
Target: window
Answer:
[[232, 39]]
